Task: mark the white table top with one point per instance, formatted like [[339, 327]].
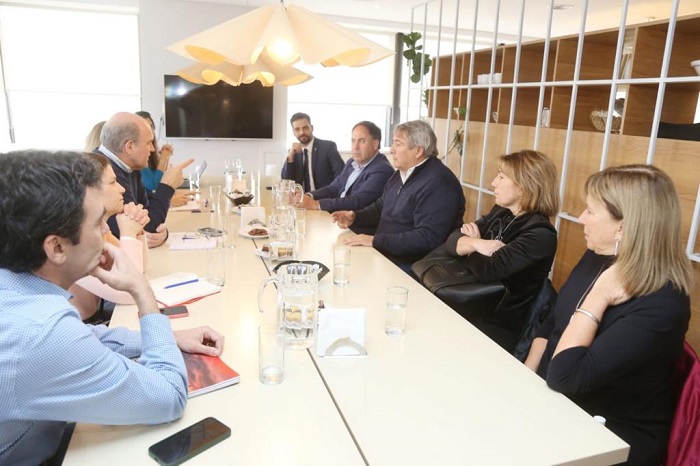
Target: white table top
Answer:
[[294, 423], [441, 394]]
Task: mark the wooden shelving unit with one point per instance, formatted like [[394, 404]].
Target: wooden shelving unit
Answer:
[[487, 139], [597, 63]]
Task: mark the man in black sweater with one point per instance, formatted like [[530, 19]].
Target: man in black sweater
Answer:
[[422, 201]]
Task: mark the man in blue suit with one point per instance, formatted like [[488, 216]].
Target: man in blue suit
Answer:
[[362, 180], [311, 162]]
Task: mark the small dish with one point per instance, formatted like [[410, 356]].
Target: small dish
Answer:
[[239, 199], [247, 233], [262, 253]]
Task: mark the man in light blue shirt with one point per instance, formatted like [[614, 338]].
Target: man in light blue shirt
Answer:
[[53, 368], [363, 178]]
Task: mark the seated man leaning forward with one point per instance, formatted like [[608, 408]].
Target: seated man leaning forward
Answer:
[[421, 204], [55, 369], [127, 141], [362, 180]]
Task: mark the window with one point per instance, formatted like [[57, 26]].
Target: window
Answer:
[[64, 71], [339, 97]]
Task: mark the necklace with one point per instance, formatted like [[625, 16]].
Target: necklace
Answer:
[[588, 290], [499, 236]]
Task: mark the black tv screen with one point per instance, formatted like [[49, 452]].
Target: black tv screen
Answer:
[[220, 111]]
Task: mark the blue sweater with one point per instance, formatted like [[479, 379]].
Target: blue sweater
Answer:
[[414, 218], [365, 190]]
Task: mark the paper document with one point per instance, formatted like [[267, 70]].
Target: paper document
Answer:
[[181, 288]]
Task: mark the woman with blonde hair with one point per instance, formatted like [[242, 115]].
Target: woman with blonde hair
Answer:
[[92, 141], [514, 243], [618, 326]]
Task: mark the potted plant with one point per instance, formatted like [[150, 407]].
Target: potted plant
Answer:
[[416, 58]]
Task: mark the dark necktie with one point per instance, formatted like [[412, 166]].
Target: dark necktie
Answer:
[[307, 182]]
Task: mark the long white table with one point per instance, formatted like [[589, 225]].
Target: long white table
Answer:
[[441, 394], [294, 423]]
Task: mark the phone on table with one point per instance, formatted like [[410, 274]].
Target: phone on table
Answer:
[[189, 442], [175, 312]]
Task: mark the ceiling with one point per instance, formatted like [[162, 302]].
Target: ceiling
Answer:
[[396, 15]]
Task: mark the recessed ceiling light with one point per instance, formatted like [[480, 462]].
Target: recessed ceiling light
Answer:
[[650, 18], [563, 6]]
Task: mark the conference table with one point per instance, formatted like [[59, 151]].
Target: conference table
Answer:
[[442, 393]]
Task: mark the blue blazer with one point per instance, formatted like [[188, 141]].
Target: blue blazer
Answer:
[[326, 164], [365, 190]]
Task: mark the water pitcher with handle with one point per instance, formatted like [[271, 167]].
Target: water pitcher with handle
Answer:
[[297, 303]]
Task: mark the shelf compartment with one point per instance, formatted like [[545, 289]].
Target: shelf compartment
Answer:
[[597, 59], [531, 55], [650, 42], [680, 102], [588, 98]]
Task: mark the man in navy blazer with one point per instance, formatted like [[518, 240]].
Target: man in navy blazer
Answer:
[[311, 162], [362, 180]]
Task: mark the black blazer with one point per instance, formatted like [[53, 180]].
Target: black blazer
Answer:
[[326, 165]]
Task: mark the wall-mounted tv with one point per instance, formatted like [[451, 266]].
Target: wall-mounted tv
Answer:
[[220, 111]]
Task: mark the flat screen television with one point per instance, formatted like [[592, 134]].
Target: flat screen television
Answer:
[[220, 111]]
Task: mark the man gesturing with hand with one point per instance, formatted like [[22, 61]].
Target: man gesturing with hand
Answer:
[[55, 369]]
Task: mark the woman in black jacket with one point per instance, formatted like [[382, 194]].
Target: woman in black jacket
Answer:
[[514, 243], [618, 325]]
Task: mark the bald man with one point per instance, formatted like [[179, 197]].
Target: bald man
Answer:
[[127, 141]]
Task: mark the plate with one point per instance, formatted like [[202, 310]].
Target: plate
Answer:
[[264, 254], [246, 235]]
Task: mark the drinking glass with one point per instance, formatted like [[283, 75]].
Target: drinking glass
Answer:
[[271, 354], [341, 265], [395, 316]]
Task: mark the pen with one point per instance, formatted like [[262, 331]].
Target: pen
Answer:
[[195, 280]]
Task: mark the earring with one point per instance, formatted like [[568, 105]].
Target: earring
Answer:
[[617, 245]]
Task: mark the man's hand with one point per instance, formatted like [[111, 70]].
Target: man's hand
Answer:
[[309, 203], [173, 175], [344, 218], [156, 239], [296, 147], [116, 270], [201, 340], [359, 240], [179, 199], [165, 153], [132, 220]]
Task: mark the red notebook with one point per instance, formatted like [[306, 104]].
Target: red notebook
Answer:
[[207, 373]]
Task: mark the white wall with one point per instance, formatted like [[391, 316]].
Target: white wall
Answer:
[[163, 22]]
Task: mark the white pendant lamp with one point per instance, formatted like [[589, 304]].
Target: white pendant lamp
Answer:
[[280, 34]]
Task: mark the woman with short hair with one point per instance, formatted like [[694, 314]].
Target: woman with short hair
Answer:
[[618, 326], [514, 243]]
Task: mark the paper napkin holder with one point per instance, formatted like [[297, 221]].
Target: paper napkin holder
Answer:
[[341, 332]]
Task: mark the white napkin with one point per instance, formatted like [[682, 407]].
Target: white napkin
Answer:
[[341, 332], [250, 213]]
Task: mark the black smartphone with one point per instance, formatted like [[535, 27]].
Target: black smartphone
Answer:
[[189, 442], [175, 312]]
